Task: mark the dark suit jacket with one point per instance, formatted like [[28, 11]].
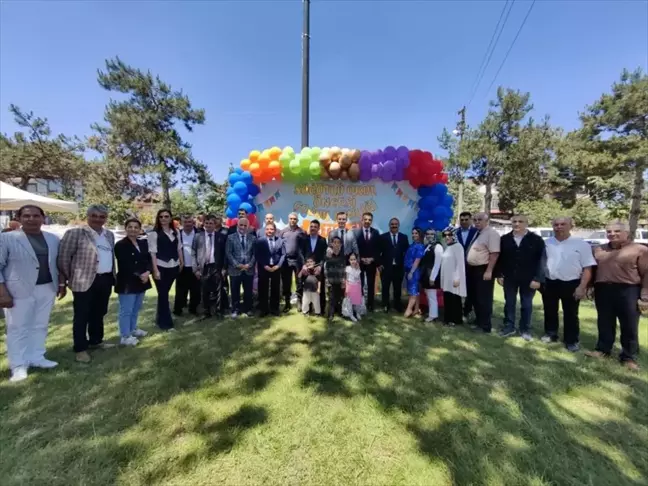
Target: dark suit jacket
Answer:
[[389, 252], [262, 252], [199, 252], [235, 254], [371, 248], [522, 263], [233, 229], [472, 233], [130, 265], [306, 251]]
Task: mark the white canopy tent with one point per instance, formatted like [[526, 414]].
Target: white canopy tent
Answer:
[[12, 198]]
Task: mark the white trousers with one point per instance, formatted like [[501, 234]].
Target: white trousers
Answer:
[[311, 298], [27, 323], [433, 305]]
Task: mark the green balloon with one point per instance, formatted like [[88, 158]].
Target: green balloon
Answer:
[[285, 159], [289, 151], [315, 153], [314, 168], [295, 166], [306, 153], [304, 162]]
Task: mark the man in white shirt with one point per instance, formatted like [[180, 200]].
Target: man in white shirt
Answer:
[[187, 283], [569, 270]]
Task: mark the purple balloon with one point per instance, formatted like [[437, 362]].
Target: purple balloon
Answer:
[[389, 153], [386, 176], [377, 157], [400, 174], [389, 167], [404, 161], [365, 161], [402, 152], [376, 170], [365, 175]]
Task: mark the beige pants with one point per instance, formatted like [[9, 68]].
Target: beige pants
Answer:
[[311, 298]]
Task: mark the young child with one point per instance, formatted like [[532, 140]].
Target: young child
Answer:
[[354, 308], [311, 277], [335, 278]]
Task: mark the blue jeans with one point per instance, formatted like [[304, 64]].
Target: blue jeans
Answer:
[[129, 307], [511, 290]]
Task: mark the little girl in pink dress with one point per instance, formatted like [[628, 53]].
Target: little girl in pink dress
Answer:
[[353, 305]]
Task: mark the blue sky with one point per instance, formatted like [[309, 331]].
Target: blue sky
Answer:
[[382, 72]]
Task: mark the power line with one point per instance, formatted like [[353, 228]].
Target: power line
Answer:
[[511, 47], [491, 47]]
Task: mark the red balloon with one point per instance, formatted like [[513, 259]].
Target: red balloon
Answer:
[[416, 157], [435, 166], [427, 157], [443, 178], [231, 222]]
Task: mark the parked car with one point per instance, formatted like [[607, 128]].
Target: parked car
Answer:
[[545, 233], [600, 238]]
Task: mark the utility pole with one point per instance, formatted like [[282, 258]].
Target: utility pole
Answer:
[[460, 130], [305, 73]]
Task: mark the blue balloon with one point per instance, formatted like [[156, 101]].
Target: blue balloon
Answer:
[[425, 214], [253, 190], [230, 212], [246, 177], [230, 190], [238, 170], [254, 208], [424, 191], [234, 201], [440, 224], [421, 223], [448, 200], [439, 190], [240, 188], [429, 202], [234, 178], [438, 213], [449, 212], [246, 206]]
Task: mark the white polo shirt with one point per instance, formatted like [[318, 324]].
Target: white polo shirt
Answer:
[[187, 242], [104, 252], [567, 259]]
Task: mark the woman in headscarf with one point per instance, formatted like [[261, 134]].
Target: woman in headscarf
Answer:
[[412, 271], [430, 266], [453, 278]]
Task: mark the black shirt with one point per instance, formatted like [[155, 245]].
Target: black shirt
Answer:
[[39, 244]]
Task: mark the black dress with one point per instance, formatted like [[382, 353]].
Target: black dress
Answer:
[[426, 265]]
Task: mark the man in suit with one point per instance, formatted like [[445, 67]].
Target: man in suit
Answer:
[[186, 282], [465, 236], [393, 246], [29, 283], [239, 252], [219, 228], [292, 237], [349, 243], [268, 219], [242, 213], [368, 239], [208, 265], [270, 255], [520, 270], [314, 246], [87, 264]]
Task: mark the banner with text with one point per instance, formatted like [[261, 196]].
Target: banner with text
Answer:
[[323, 200]]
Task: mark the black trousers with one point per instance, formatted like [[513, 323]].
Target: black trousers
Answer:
[[618, 301], [452, 308], [336, 294], [163, 316], [211, 282], [482, 295], [236, 281], [187, 283], [287, 272], [468, 305], [90, 307], [269, 291], [555, 292], [392, 277], [368, 276]]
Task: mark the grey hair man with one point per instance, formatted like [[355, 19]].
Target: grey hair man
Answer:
[[292, 236]]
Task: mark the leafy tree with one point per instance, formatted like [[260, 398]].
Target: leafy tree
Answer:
[[587, 214], [613, 141], [35, 153], [472, 200], [488, 147], [142, 128], [540, 212], [185, 202], [456, 165]]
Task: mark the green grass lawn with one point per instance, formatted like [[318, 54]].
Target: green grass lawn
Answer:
[[292, 401]]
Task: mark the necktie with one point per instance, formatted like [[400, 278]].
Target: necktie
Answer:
[[394, 240], [367, 234], [243, 242]]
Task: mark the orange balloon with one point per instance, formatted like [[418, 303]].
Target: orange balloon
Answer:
[[255, 169], [354, 172], [274, 168], [355, 155], [254, 155], [334, 169], [245, 164], [264, 161], [345, 161], [324, 175], [275, 153], [344, 175]]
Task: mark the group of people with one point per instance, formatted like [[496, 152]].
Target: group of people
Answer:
[[211, 264]]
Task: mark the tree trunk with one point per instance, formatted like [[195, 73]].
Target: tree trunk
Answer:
[[24, 181], [488, 199], [635, 205], [460, 197], [166, 193]]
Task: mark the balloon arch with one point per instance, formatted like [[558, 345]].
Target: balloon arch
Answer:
[[418, 167]]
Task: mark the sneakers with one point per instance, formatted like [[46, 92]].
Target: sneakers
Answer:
[[353, 318], [44, 363], [140, 333], [573, 348], [548, 339], [83, 357], [527, 336], [234, 315], [19, 373], [129, 341], [507, 333]]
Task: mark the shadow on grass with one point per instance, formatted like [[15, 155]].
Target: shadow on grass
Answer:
[[495, 411], [97, 421]]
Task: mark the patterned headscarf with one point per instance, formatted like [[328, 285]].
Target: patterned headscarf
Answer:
[[453, 231]]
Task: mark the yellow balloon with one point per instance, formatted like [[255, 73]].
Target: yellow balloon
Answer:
[[254, 155]]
